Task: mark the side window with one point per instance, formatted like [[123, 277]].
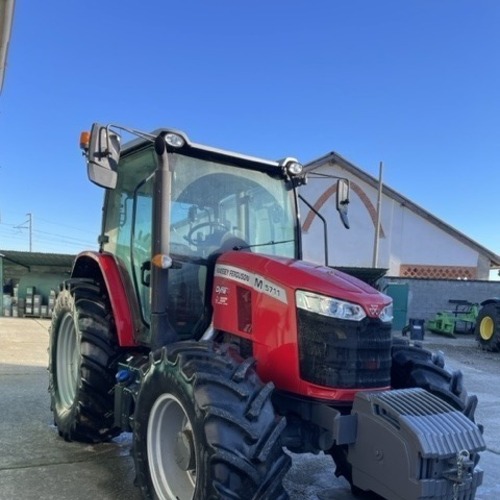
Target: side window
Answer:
[[127, 224], [118, 223]]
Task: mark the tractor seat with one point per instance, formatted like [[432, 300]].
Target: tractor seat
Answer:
[[233, 241]]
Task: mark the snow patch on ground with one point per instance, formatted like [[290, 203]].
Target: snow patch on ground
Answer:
[[312, 477]]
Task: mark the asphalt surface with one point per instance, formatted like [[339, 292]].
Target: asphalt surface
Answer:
[[36, 464]]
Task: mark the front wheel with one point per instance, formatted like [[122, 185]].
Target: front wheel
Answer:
[[205, 428], [414, 366]]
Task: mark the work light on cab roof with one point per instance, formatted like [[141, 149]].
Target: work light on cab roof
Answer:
[[174, 140], [292, 166]]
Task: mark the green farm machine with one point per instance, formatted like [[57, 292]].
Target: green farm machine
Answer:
[[462, 319]]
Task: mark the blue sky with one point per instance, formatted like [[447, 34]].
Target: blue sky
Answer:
[[413, 83]]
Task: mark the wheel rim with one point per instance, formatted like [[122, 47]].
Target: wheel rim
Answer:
[[67, 360], [171, 445], [486, 328]]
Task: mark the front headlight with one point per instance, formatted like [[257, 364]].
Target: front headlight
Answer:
[[326, 306], [386, 314]]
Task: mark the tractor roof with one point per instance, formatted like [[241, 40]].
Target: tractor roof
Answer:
[[200, 150]]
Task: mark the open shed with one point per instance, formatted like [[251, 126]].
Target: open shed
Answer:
[[30, 276]]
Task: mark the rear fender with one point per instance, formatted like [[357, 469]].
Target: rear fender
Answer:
[[492, 300], [104, 268]]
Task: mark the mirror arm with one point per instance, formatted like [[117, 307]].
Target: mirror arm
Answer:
[[325, 226], [133, 131], [319, 175]]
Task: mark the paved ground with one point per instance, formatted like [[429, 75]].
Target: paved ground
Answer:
[[35, 464]]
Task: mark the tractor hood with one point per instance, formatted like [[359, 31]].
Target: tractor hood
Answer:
[[295, 275]]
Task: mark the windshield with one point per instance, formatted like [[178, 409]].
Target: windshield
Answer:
[[214, 208], [218, 206]]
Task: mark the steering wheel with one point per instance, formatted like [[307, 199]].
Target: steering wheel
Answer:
[[213, 227]]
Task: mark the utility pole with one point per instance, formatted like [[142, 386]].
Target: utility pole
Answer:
[[29, 227], [377, 226]]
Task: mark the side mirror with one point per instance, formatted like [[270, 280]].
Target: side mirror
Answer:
[[103, 154], [343, 200]]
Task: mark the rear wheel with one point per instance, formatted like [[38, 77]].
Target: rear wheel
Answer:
[[83, 356], [487, 329], [205, 428]]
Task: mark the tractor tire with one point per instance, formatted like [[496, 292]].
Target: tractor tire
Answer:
[[83, 358], [413, 366], [205, 427], [487, 331]]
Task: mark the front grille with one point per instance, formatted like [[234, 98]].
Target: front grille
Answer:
[[344, 354]]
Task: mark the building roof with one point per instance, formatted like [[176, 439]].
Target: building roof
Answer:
[[333, 158], [31, 259]]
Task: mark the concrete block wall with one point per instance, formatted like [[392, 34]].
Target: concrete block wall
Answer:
[[426, 297]]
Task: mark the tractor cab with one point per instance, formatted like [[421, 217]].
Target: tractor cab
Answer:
[[167, 216]]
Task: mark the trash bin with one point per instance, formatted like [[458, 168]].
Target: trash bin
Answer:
[[416, 327]]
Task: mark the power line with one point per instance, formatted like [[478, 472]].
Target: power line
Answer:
[[63, 225], [47, 239], [38, 231], [41, 219], [63, 237]]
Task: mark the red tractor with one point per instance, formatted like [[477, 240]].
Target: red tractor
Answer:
[[198, 328]]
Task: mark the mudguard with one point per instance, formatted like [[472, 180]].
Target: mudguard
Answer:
[[104, 266]]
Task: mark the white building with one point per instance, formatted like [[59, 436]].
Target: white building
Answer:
[[412, 243]]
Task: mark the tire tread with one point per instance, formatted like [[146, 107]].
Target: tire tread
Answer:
[[226, 394], [90, 417]]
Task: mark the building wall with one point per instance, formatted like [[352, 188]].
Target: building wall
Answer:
[[406, 238], [427, 297]]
